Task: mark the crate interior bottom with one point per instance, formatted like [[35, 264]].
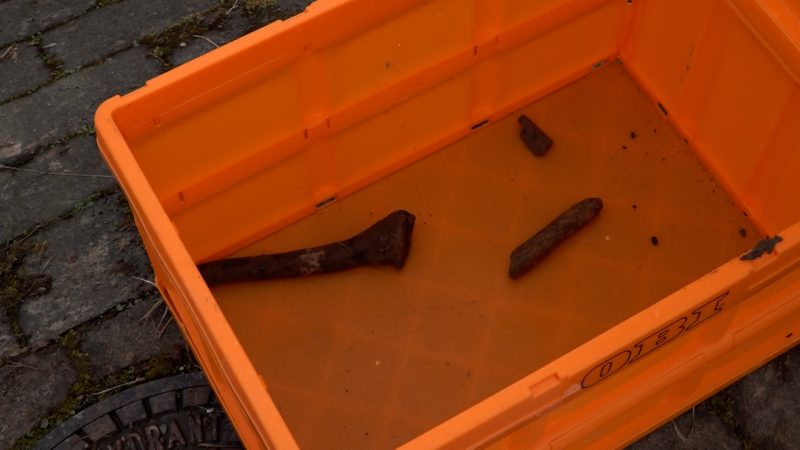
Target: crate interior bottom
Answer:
[[373, 357]]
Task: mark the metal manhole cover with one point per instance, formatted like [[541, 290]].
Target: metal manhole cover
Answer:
[[179, 412]]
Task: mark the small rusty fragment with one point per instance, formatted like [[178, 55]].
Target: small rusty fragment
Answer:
[[387, 242], [766, 245], [533, 136], [533, 251]]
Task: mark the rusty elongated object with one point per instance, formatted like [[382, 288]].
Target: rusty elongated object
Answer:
[[537, 141], [387, 242], [533, 251]]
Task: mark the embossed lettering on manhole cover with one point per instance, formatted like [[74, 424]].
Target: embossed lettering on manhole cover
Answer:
[[179, 412]]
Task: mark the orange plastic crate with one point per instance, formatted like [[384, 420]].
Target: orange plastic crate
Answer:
[[682, 115]]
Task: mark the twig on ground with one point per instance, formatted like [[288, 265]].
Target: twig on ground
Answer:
[[20, 365], [143, 280], [49, 45], [198, 36], [118, 386], [228, 12], [61, 174]]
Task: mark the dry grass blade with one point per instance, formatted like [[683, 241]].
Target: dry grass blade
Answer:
[[140, 379], [155, 305], [9, 52], [681, 436], [161, 321], [164, 328], [32, 232], [144, 280], [44, 267], [198, 36], [151, 310]]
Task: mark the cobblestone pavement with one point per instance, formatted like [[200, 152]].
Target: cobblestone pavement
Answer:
[[77, 314]]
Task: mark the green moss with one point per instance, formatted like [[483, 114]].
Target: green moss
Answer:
[[36, 40], [164, 43], [11, 300], [89, 201], [88, 389], [722, 405], [12, 287], [262, 12], [71, 342], [161, 366], [256, 6], [53, 63], [61, 413], [158, 53], [87, 130]]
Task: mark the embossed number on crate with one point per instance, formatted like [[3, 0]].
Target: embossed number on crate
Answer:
[[654, 341]]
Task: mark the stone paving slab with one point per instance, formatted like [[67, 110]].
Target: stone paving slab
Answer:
[[766, 404], [116, 27], [68, 105], [91, 258], [51, 184], [29, 389], [757, 412], [699, 431], [130, 338], [21, 69], [20, 19]]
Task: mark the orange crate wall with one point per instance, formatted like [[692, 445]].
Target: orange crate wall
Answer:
[[732, 94], [188, 177], [328, 113]]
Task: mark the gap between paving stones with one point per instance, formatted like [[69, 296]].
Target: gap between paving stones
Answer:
[[16, 287], [54, 64], [160, 365], [163, 43], [93, 257], [92, 382], [118, 27], [51, 24], [88, 389], [51, 184]]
